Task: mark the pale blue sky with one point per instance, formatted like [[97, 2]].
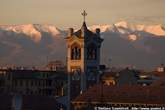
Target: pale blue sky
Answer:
[[66, 13]]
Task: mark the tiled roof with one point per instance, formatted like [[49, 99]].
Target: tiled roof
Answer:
[[123, 94], [160, 74], [160, 82]]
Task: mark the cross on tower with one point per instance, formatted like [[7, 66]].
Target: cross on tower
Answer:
[[84, 14]]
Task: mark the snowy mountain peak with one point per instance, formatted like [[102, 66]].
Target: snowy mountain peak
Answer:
[[132, 37], [123, 24], [103, 28], [48, 28], [124, 27], [27, 29], [156, 30], [130, 31], [34, 31]]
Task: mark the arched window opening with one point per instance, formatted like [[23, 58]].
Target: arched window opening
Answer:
[[75, 52], [76, 73], [92, 52]]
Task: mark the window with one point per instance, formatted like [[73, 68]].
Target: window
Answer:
[[91, 52], [75, 52], [76, 73]]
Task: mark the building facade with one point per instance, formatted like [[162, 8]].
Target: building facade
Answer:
[[32, 82]]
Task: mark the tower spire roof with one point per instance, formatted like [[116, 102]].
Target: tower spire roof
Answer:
[[84, 26]]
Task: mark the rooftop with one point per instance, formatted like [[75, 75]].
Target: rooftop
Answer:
[[123, 94]]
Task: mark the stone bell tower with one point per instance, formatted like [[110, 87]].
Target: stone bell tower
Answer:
[[83, 54]]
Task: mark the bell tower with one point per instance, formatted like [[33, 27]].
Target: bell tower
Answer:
[[83, 54]]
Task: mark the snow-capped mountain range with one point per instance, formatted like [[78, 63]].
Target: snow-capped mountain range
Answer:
[[124, 43], [31, 30]]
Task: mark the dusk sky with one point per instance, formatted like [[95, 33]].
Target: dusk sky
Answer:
[[66, 13]]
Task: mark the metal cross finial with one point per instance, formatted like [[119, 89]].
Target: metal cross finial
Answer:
[[84, 14]]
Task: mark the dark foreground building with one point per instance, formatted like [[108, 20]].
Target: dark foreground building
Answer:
[[32, 82], [28, 102], [31, 89]]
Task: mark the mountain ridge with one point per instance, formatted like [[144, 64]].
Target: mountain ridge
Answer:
[[124, 43]]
